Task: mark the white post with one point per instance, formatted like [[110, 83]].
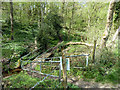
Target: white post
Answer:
[[68, 63], [61, 63], [86, 60]]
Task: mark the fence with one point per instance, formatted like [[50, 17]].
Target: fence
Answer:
[[42, 62]]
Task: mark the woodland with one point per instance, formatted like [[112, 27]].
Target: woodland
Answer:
[[43, 30]]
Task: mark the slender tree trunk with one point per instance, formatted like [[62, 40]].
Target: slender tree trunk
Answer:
[[63, 11], [66, 15], [108, 25], [1, 66], [38, 27], [11, 17], [115, 35], [30, 14], [63, 7], [59, 36], [94, 49], [119, 44], [89, 19], [114, 38], [71, 21], [38, 18], [41, 14]]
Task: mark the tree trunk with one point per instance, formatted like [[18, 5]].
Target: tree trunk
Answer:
[[94, 49], [115, 35], [71, 20], [11, 17], [38, 17], [108, 25], [63, 11], [63, 7], [114, 38], [119, 44], [59, 36], [1, 65], [41, 20], [38, 26], [80, 43]]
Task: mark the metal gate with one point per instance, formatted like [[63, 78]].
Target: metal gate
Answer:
[[52, 62]]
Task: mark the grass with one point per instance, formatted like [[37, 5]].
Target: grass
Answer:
[[23, 80], [47, 69], [106, 71]]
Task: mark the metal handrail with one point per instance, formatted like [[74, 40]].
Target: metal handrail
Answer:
[[48, 50], [43, 79], [78, 55], [54, 69], [30, 53]]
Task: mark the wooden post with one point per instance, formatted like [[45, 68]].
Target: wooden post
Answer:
[[94, 48], [64, 70]]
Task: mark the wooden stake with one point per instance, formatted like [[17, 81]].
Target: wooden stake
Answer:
[[64, 70]]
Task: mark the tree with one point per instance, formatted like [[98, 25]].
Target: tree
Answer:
[[11, 17], [51, 28], [108, 24], [117, 15], [71, 21], [54, 20], [56, 24]]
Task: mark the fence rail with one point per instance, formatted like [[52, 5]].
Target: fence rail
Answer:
[[59, 66]]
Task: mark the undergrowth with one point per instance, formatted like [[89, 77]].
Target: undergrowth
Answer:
[[23, 80], [106, 68]]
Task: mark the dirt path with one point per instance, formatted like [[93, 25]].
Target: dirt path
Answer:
[[81, 83], [85, 84]]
